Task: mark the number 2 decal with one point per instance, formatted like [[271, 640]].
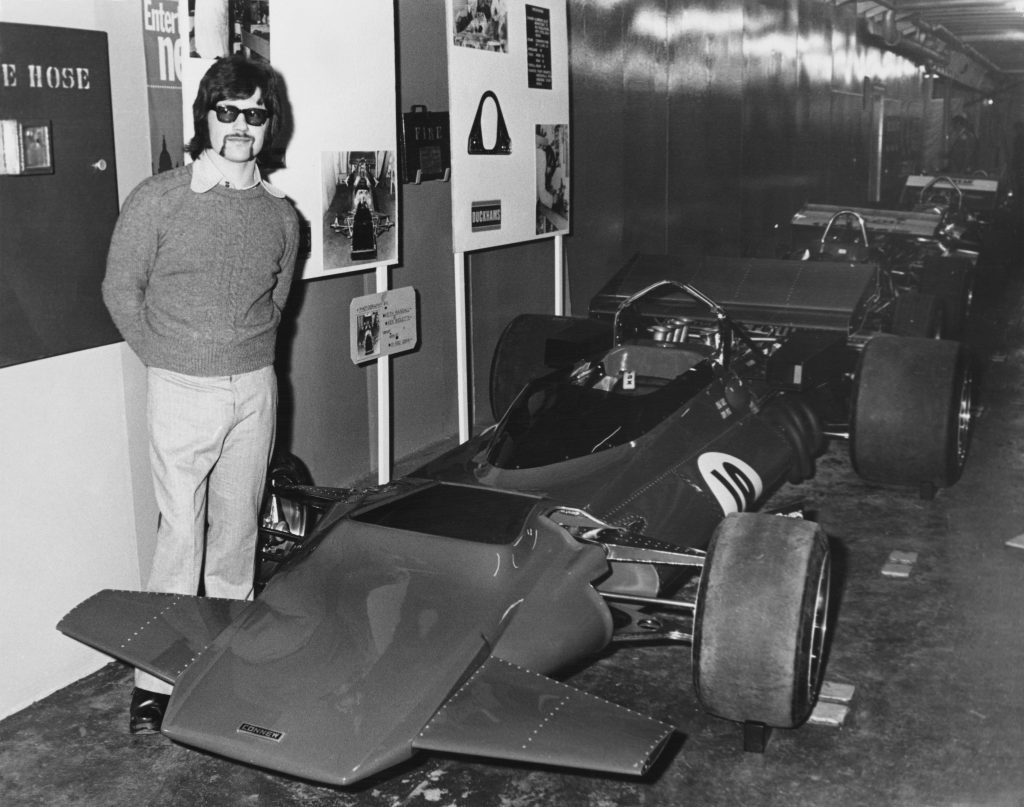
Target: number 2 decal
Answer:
[[734, 484]]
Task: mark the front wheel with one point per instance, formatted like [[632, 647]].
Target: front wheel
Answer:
[[761, 620]]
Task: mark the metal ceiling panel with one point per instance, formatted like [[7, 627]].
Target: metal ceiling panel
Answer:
[[992, 31]]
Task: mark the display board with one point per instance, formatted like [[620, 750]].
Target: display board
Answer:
[[340, 165], [58, 191], [508, 85]]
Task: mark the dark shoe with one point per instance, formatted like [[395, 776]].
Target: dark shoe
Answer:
[[147, 711]]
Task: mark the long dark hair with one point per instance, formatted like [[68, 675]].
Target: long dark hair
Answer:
[[232, 78]]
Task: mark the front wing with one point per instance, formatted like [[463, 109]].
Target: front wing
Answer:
[[501, 710]]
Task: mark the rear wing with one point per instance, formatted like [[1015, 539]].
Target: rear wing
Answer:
[[980, 193], [754, 291], [912, 224]]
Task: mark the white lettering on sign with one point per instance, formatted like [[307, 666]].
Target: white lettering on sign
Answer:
[[733, 483], [47, 77], [159, 20]]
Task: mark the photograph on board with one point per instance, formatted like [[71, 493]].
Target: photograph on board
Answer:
[[222, 27], [367, 333], [552, 178], [359, 203], [481, 24]]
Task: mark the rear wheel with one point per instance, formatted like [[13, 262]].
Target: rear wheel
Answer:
[[951, 280], [284, 521], [912, 412], [761, 620]]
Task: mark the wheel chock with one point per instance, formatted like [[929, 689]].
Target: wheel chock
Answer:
[[833, 705], [1016, 543], [899, 564]]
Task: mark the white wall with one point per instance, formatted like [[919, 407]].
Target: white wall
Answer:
[[68, 523], [71, 432]]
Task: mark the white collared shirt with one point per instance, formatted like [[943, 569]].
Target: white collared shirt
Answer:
[[205, 176]]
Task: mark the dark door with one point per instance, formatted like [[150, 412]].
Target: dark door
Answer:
[[55, 223]]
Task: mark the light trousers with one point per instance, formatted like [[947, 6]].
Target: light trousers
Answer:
[[210, 440]]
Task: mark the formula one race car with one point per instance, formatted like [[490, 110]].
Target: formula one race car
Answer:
[[965, 199], [757, 359], [980, 206], [426, 616], [607, 505], [926, 260]]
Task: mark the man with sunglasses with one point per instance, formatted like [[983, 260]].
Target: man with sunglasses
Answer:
[[198, 272]]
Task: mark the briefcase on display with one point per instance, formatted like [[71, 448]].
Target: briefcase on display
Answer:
[[426, 145]]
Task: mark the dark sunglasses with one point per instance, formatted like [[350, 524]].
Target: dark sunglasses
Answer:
[[254, 116]]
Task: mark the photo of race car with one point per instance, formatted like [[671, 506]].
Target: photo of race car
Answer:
[[362, 206]]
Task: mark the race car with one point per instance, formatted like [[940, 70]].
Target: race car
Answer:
[[926, 256], [974, 197], [981, 205], [750, 361], [611, 503], [427, 616]]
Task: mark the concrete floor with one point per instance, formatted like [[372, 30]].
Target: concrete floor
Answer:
[[936, 659]]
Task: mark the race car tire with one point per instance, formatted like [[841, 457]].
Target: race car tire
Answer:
[[521, 355], [281, 513], [916, 314], [761, 620], [911, 412], [951, 280], [287, 469]]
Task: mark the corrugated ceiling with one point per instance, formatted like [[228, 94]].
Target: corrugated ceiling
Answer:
[[990, 32]]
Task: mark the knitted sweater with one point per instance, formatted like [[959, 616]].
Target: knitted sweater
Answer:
[[196, 282]]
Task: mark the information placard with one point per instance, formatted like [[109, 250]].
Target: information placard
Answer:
[[383, 324]]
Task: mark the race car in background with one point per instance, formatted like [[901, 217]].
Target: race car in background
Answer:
[[982, 205], [753, 359], [926, 260]]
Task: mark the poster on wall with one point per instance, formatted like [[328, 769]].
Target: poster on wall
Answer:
[[163, 46], [508, 85], [359, 220], [335, 156]]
